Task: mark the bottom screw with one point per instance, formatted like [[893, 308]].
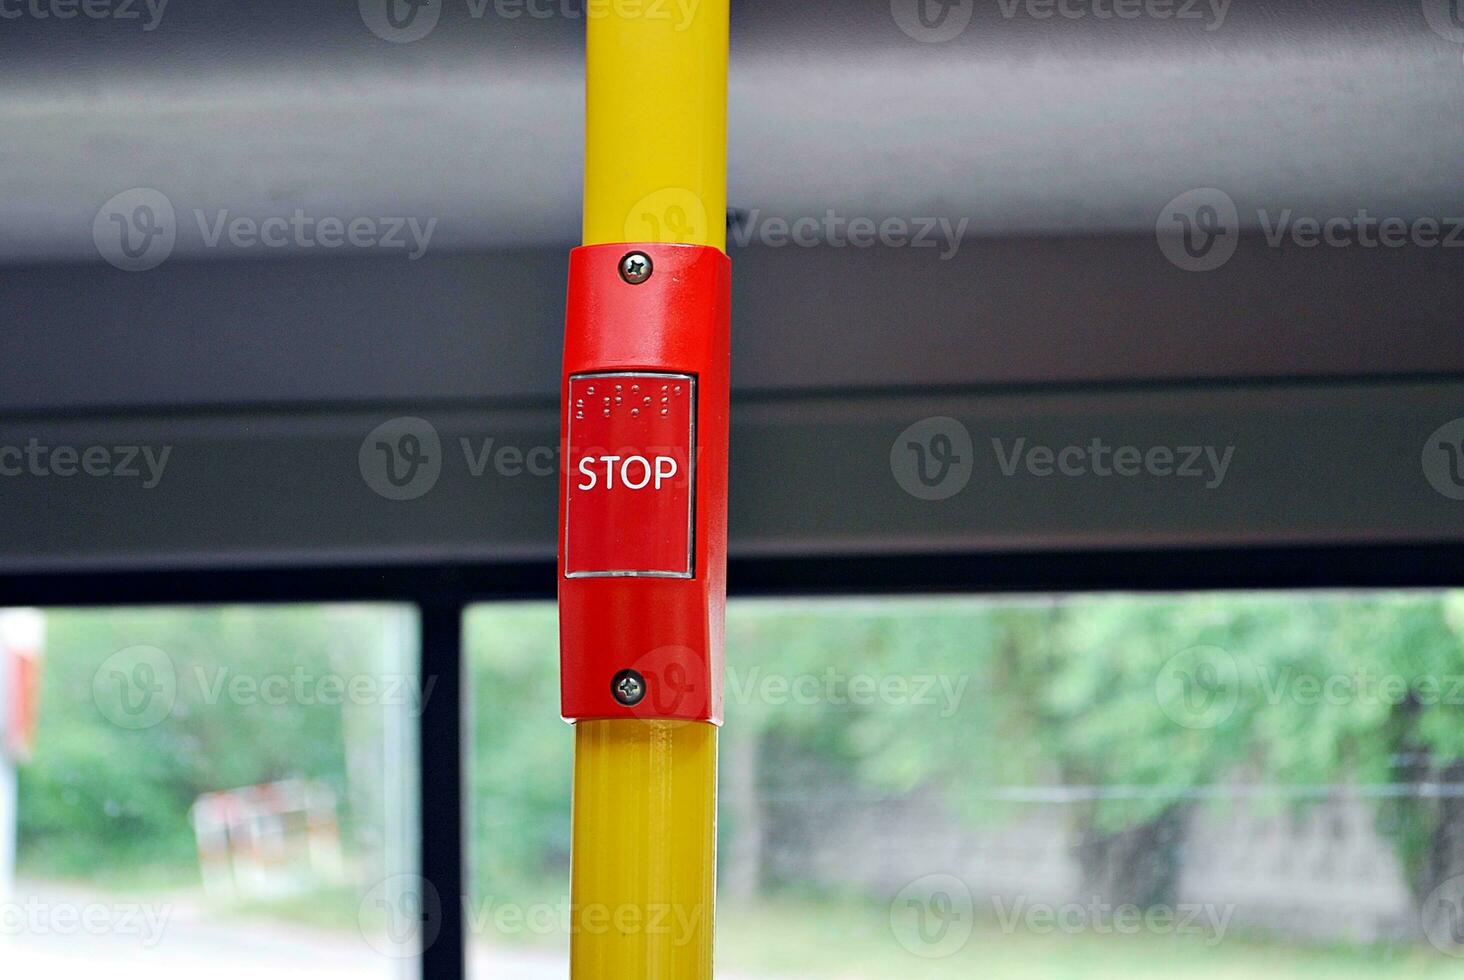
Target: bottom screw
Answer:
[[629, 688]]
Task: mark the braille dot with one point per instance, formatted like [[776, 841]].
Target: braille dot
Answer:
[[665, 412], [635, 413], [591, 389]]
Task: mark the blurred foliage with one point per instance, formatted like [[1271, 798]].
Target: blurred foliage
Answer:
[[1284, 690], [522, 761], [850, 699], [100, 800]]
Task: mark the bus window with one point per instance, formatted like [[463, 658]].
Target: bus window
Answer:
[[222, 791], [1195, 785]]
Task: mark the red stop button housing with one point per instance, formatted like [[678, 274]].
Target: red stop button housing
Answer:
[[643, 494]]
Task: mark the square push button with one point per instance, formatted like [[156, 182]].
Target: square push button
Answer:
[[630, 501]]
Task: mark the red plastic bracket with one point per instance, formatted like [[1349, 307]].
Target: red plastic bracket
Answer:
[[643, 484]]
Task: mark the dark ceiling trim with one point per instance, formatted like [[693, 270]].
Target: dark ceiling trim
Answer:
[[1415, 566]]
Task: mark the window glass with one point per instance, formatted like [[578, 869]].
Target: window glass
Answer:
[[222, 792], [1201, 785]]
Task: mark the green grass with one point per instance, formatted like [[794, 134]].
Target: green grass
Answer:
[[853, 940], [856, 942], [113, 876], [334, 909]]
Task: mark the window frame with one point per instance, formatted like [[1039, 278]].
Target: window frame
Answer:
[[443, 593]]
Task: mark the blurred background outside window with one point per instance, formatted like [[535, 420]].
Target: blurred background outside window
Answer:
[[1226, 785], [224, 792]]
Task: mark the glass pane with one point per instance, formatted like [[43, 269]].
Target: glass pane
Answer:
[[521, 771], [1207, 785], [222, 792]]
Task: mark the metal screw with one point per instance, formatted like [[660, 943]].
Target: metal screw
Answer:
[[636, 268], [629, 688]]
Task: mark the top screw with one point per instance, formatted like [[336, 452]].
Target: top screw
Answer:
[[635, 268]]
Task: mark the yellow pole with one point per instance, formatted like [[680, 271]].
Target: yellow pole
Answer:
[[645, 792], [645, 835], [656, 122]]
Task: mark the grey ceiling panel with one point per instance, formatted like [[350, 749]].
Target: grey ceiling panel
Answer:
[[1278, 465], [1019, 125], [486, 327], [1055, 144]]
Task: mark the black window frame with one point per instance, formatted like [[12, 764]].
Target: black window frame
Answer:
[[443, 593]]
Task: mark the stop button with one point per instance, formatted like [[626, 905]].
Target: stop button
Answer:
[[630, 503]]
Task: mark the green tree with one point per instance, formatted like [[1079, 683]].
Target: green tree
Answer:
[[99, 798], [1161, 697], [522, 758]]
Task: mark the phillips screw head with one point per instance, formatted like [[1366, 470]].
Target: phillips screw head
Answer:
[[636, 268], [629, 688]]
